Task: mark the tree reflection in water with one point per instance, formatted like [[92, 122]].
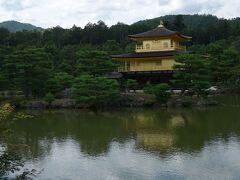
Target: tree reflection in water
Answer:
[[161, 131]]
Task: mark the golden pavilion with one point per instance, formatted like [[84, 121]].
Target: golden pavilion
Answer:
[[154, 55]]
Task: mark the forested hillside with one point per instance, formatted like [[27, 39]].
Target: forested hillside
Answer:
[[51, 61]]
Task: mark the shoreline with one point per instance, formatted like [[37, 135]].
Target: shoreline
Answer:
[[134, 100]]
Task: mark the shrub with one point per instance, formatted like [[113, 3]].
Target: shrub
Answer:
[[95, 91], [49, 98], [160, 91], [187, 101], [132, 84]]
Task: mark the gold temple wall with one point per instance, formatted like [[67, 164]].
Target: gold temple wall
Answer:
[[146, 64]]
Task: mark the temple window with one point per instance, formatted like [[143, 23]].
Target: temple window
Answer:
[[165, 45]]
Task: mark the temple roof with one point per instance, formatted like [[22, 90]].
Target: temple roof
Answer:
[[160, 31], [150, 54]]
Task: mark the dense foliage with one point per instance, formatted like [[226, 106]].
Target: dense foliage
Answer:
[[160, 91], [95, 91], [35, 64], [192, 73], [132, 84], [223, 60]]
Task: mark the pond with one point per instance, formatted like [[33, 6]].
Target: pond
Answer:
[[132, 143]]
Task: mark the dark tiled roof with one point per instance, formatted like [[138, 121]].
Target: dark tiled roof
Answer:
[[158, 32], [150, 54]]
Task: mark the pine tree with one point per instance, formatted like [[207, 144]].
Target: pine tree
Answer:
[[192, 73], [28, 70]]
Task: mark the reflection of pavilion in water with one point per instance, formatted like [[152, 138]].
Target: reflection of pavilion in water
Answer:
[[160, 138], [94, 133]]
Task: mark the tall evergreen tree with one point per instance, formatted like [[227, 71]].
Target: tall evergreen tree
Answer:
[[96, 63], [95, 91], [192, 73], [28, 69]]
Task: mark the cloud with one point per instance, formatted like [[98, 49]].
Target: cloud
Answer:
[[201, 6], [12, 5], [48, 13], [163, 2]]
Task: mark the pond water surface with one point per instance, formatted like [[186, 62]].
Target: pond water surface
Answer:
[[133, 143]]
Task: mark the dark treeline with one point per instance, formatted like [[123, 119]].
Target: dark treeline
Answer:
[[45, 63], [203, 28]]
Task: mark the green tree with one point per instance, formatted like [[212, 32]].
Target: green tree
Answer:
[[223, 66], [65, 80], [49, 98], [4, 83], [160, 91], [132, 84], [95, 91], [59, 82], [4, 36], [192, 73], [112, 47], [96, 33], [28, 71], [69, 59], [96, 63], [53, 86], [119, 32]]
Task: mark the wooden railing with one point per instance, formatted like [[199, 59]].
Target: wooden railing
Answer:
[[141, 48], [144, 68]]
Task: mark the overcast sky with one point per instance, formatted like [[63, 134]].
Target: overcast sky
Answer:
[[66, 13]]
